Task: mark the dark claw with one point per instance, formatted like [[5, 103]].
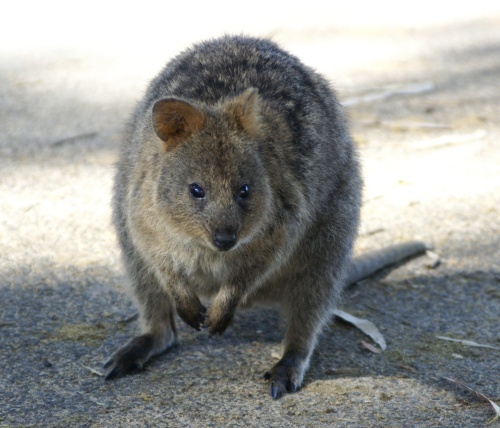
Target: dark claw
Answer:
[[274, 390], [277, 389], [282, 379], [112, 374], [218, 326], [197, 321], [109, 362], [213, 333]]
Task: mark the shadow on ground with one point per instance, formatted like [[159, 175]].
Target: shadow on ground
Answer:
[[55, 338]]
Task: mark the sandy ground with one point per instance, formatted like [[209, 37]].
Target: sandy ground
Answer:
[[422, 87]]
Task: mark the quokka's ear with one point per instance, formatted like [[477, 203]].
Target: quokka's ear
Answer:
[[245, 110], [174, 120]]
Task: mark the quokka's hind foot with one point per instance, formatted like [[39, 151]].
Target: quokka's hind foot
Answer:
[[137, 352], [130, 358], [285, 377]]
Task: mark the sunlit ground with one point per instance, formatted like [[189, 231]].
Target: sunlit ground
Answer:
[[71, 73]]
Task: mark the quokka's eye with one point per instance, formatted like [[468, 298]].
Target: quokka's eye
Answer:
[[196, 191], [244, 192]]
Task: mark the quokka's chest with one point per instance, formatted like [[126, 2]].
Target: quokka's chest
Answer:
[[206, 273]]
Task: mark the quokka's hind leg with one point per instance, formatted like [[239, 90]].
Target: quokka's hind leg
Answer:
[[157, 319], [308, 311]]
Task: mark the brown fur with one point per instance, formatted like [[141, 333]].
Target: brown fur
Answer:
[[238, 181]]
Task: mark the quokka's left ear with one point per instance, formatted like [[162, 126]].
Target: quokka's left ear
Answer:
[[245, 110], [174, 120]]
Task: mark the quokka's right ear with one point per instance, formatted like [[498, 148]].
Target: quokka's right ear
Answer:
[[174, 120], [245, 110]]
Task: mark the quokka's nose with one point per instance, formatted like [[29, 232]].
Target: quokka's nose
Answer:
[[224, 239]]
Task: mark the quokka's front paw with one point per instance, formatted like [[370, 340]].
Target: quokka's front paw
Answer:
[[130, 357], [218, 322], [193, 314]]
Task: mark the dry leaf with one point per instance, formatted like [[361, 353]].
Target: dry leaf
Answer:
[[365, 326], [495, 406], [467, 342], [370, 347], [407, 367]]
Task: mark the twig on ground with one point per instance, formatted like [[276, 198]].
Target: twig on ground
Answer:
[[483, 397], [129, 319], [467, 342], [448, 140], [409, 89], [73, 139], [96, 372], [370, 347]]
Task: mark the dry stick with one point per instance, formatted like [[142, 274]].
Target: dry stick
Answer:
[[129, 319], [96, 372], [495, 406], [404, 124], [468, 342], [410, 89], [73, 139], [449, 140]]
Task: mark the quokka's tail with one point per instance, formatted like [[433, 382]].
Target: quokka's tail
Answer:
[[366, 264]]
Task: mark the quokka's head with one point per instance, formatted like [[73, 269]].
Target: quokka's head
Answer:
[[213, 187]]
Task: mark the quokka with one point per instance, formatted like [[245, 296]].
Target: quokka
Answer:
[[238, 180]]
